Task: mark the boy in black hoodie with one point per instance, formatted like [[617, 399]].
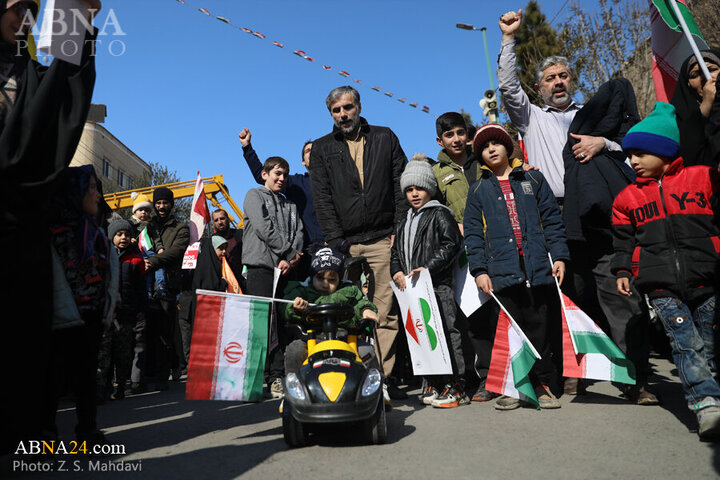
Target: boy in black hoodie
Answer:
[[429, 238]]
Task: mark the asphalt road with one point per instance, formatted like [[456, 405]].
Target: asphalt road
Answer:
[[598, 435]]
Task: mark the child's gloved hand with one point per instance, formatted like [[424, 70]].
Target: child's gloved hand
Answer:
[[367, 313]]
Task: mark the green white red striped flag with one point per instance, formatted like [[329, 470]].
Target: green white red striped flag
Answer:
[[588, 352], [144, 241], [513, 356], [670, 47], [229, 344]]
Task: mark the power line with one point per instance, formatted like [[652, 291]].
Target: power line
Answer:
[[558, 12]]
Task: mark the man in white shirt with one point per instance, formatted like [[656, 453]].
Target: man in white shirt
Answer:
[[545, 133], [544, 130]]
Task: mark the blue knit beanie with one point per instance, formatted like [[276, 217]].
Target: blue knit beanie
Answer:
[[658, 133]]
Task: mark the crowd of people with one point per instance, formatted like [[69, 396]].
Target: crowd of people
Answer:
[[624, 207]]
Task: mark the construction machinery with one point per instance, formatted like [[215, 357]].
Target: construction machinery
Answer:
[[214, 187]]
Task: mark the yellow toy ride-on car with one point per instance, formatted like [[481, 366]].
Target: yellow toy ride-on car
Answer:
[[333, 385]]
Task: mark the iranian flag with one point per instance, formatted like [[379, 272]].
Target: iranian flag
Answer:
[[513, 356], [144, 242], [588, 352], [199, 215], [670, 46], [229, 344]]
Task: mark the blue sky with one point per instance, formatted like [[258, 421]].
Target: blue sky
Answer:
[[187, 83]]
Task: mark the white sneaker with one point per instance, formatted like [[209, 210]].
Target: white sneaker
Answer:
[[707, 411], [276, 389]]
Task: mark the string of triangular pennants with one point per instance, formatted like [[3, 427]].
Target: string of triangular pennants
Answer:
[[304, 55]]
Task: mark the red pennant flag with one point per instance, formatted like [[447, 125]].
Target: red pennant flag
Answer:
[[199, 215]]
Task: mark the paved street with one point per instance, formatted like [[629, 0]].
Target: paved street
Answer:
[[597, 435]]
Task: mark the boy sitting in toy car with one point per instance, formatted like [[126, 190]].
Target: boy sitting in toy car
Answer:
[[324, 286]]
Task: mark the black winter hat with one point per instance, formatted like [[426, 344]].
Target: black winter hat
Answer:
[[326, 259], [163, 193]]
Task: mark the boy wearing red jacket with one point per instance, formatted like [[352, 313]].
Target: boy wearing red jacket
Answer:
[[666, 238]]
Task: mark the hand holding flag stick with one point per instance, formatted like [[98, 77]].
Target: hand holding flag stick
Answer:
[[587, 351], [690, 39]]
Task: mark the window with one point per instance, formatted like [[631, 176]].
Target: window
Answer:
[[121, 179], [106, 168]]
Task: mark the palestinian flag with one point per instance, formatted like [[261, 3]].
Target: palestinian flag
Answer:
[[670, 47], [343, 73], [309, 58], [588, 352], [377, 89], [203, 10], [223, 19], [144, 242], [227, 357], [246, 30], [181, 1], [357, 81], [413, 104], [278, 44], [426, 109], [299, 53], [388, 94], [403, 100], [512, 359], [259, 35], [327, 67]]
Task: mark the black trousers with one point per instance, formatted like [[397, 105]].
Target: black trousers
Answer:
[[164, 342], [260, 283], [73, 369], [481, 331], [536, 310]]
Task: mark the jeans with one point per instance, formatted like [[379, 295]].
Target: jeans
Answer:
[[157, 280], [691, 334]]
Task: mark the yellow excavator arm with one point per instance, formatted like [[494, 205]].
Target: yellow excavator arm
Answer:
[[214, 186]]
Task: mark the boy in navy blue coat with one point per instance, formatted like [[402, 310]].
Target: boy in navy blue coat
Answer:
[[511, 222]]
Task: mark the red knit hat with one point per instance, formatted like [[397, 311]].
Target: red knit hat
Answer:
[[492, 131]]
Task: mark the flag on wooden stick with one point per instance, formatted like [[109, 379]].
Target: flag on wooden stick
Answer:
[[513, 356]]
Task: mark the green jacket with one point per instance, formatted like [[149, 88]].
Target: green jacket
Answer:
[[176, 238], [453, 185], [346, 294]]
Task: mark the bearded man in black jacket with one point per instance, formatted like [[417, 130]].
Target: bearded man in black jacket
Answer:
[[355, 178]]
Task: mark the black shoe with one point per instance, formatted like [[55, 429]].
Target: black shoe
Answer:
[[138, 388], [119, 393], [394, 392]]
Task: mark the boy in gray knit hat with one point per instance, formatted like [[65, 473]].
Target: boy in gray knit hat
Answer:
[[429, 238]]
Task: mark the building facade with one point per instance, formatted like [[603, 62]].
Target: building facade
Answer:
[[117, 166]]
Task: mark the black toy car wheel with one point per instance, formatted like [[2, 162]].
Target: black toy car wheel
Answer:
[[376, 426], [295, 433]]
